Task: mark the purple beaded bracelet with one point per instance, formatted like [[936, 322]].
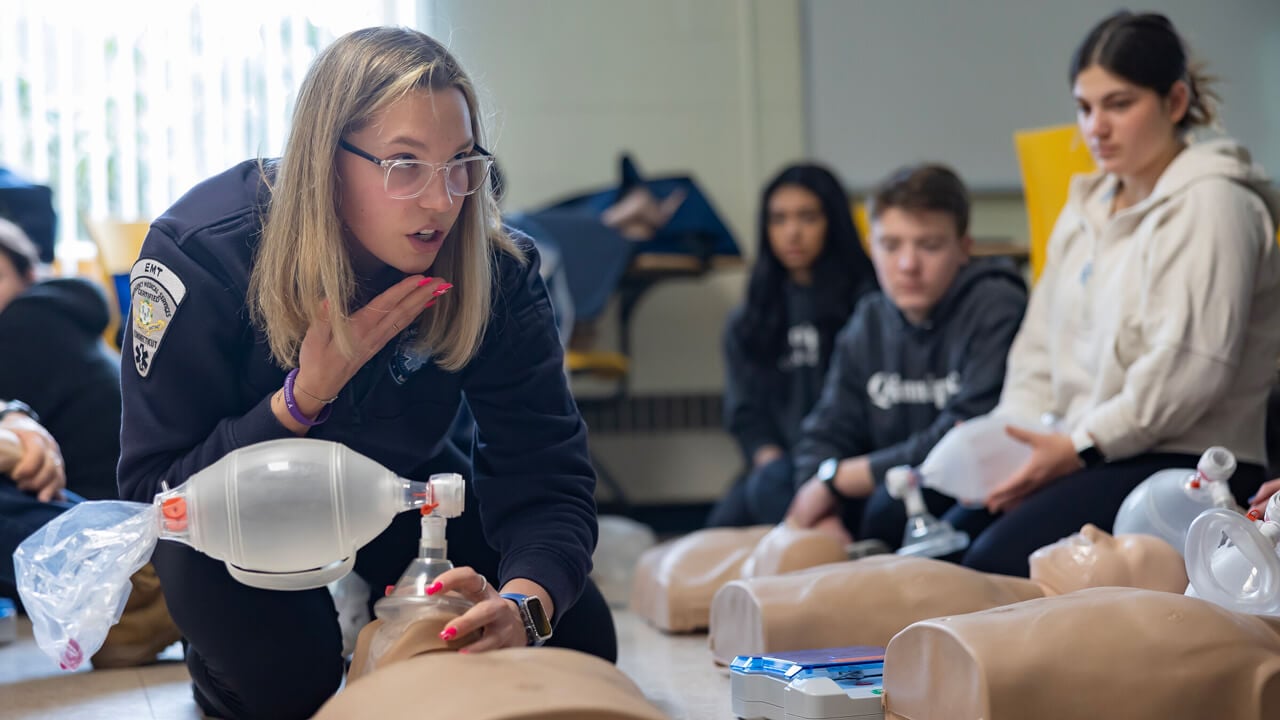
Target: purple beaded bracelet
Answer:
[[292, 404]]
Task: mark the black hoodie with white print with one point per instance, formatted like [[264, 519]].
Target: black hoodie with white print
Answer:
[[895, 388]]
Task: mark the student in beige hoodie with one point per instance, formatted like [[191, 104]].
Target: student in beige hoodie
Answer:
[[1154, 330]]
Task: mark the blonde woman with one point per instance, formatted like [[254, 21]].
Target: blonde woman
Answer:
[[353, 291]]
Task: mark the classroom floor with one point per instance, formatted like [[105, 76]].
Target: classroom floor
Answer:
[[675, 673]]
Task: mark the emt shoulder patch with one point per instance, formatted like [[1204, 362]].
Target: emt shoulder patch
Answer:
[[155, 293]]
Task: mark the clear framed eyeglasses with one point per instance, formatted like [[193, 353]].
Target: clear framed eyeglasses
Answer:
[[404, 179]]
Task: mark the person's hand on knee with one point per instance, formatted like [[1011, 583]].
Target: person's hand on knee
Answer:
[[39, 470]]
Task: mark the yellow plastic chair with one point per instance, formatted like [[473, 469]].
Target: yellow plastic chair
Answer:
[[1048, 158], [862, 221], [119, 243]]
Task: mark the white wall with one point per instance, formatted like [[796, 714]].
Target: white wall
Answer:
[[712, 88], [895, 81]]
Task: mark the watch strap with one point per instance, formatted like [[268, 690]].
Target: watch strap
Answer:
[[532, 636], [13, 406]]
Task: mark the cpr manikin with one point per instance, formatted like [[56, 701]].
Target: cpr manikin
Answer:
[[396, 653], [1215, 657], [1097, 653], [509, 684], [400, 650], [868, 601], [675, 581]]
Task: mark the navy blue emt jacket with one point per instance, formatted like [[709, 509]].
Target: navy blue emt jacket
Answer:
[[197, 382]]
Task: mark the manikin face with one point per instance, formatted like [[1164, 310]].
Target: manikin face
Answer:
[[406, 234], [1095, 558]]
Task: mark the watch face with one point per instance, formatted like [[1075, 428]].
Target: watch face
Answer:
[[827, 470], [541, 623]]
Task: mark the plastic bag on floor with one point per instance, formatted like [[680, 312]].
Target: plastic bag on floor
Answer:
[[73, 574], [622, 542]]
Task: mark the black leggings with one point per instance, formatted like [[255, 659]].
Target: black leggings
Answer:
[[761, 497], [1002, 543], [265, 654]]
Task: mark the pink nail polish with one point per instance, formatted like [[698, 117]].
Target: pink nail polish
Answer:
[[448, 633], [464, 651], [424, 281], [390, 589], [429, 303], [435, 587], [440, 291]]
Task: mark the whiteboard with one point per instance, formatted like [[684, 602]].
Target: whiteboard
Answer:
[[890, 82]]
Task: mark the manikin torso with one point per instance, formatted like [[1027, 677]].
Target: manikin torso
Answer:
[[1094, 653], [421, 676], [868, 601], [675, 581]]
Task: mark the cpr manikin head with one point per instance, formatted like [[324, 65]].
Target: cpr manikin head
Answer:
[[675, 581], [1095, 558], [1095, 653], [418, 637], [509, 684]]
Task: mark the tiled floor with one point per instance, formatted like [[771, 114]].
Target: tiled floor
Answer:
[[675, 673]]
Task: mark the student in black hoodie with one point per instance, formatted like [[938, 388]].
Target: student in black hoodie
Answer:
[[915, 359], [354, 291], [53, 358], [809, 273]]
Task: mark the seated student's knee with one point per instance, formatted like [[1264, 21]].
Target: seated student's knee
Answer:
[[884, 518], [769, 490], [996, 550], [732, 510]]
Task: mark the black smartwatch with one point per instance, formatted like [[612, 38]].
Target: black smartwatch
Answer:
[[14, 406], [827, 476], [537, 626], [1091, 456], [1088, 453]]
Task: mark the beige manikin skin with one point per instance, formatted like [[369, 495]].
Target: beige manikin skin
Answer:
[[420, 677], [1096, 653], [508, 684], [421, 636], [868, 601], [675, 581]]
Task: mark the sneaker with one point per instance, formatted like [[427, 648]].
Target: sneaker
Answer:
[[145, 628]]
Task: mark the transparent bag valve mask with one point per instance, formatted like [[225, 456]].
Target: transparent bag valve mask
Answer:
[[925, 535]]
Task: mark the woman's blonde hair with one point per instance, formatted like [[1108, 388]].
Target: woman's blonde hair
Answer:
[[303, 259]]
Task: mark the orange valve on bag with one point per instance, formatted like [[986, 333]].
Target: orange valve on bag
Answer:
[[174, 510]]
